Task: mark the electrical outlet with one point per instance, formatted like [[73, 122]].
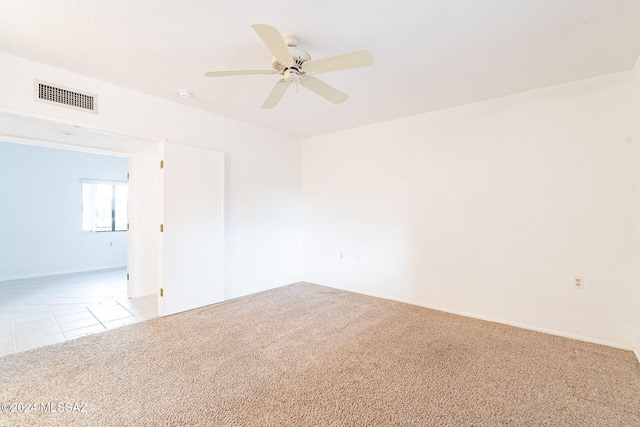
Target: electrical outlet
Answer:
[[578, 282], [341, 255]]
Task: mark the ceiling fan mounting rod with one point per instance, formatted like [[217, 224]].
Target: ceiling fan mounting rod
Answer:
[[291, 40]]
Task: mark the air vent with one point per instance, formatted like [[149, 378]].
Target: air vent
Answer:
[[66, 97]]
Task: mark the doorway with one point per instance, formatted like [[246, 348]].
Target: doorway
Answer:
[[77, 301], [64, 247], [156, 260]]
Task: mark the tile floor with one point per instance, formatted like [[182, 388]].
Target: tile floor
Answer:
[[47, 310]]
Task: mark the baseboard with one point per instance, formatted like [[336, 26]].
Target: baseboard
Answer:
[[533, 328], [636, 351], [230, 297], [58, 273], [504, 322]]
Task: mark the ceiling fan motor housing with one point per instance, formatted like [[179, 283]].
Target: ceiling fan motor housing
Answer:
[[299, 57]]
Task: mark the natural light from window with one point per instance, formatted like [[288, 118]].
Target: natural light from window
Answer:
[[104, 206]]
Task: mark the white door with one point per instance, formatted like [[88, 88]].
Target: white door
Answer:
[[191, 241]]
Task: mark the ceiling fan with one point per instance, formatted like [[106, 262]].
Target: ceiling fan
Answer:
[[296, 66]]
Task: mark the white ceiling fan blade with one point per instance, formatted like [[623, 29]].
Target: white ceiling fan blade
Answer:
[[238, 73], [329, 93], [360, 58], [272, 38], [276, 94]]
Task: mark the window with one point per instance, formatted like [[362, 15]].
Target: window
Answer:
[[104, 205]]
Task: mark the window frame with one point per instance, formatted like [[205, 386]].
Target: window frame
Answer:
[[113, 184]]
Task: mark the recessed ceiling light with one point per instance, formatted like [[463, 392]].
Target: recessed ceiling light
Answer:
[[184, 94]]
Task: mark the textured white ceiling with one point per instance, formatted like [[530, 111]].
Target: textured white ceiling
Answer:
[[428, 54]]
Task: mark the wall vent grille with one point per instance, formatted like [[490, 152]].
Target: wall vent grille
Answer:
[[66, 97]]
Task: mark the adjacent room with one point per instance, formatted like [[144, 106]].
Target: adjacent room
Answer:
[[64, 269], [336, 213]]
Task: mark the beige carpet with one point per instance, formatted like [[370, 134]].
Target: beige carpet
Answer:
[[306, 355]]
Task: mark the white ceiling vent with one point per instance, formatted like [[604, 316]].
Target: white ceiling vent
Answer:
[[65, 96]]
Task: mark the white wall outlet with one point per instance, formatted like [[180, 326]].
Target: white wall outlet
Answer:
[[341, 255], [578, 282]]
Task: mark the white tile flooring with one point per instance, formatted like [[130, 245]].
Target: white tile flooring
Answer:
[[47, 310]]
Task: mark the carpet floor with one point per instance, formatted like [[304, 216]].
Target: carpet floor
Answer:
[[307, 355]]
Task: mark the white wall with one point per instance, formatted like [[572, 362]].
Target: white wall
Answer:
[[144, 217], [487, 209], [636, 121], [263, 168], [41, 217]]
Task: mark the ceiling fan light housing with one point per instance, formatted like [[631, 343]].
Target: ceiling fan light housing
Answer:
[[291, 75]]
